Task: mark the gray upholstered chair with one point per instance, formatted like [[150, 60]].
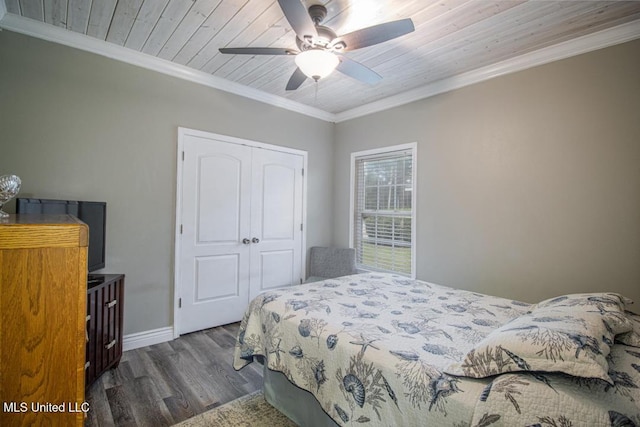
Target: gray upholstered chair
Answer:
[[327, 263]]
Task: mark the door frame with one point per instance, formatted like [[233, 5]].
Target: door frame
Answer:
[[184, 132]]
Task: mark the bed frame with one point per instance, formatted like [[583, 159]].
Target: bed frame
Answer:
[[297, 404]]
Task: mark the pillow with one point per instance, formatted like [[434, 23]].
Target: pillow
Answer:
[[601, 300], [632, 337], [570, 334]]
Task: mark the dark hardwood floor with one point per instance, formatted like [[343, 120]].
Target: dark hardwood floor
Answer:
[[164, 384]]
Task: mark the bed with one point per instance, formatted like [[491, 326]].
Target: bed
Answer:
[[383, 350]]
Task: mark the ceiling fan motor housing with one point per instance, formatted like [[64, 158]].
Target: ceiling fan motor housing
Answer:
[[325, 36]]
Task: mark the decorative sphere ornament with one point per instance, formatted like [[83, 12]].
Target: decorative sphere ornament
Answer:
[[9, 187]]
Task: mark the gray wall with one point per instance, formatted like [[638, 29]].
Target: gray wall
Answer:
[[528, 184], [80, 126]]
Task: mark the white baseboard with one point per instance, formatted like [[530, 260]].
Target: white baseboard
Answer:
[[143, 339]]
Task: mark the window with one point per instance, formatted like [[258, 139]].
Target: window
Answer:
[[383, 207]]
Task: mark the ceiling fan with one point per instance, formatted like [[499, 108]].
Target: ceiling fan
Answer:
[[321, 48]]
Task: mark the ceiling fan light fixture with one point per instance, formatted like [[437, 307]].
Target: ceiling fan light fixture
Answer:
[[316, 63], [320, 48]]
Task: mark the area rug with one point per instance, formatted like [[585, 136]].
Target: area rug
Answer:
[[247, 411]]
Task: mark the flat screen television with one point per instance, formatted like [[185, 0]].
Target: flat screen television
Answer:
[[94, 214]]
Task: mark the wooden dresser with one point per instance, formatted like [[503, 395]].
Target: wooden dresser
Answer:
[[43, 293]]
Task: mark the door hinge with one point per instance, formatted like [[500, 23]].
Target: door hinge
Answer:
[[301, 280], [183, 156], [300, 227], [302, 171], [179, 302], [180, 228]]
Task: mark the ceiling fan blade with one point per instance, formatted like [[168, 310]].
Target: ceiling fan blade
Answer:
[[258, 51], [298, 17], [296, 79], [375, 34], [358, 71]]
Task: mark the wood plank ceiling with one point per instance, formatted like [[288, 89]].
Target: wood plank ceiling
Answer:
[[451, 37]]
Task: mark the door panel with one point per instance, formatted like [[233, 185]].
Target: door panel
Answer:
[[276, 220], [216, 209], [278, 202], [276, 269], [219, 178], [216, 277]]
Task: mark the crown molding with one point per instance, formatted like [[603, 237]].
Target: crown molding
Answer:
[[598, 40], [55, 34]]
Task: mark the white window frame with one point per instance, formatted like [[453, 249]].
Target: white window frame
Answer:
[[413, 146]]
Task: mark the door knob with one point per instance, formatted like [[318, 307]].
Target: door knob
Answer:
[[255, 240], [246, 241]]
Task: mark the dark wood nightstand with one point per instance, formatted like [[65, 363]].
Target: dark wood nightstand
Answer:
[[105, 303]]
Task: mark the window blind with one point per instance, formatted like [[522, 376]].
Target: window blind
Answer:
[[383, 211]]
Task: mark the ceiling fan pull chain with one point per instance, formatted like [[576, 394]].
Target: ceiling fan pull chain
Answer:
[[315, 99]]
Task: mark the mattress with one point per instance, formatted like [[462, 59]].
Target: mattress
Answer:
[[376, 349]]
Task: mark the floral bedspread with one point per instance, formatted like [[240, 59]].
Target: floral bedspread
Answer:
[[372, 348]]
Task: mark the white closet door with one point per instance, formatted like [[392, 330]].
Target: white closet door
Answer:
[[216, 212], [276, 220], [240, 211]]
